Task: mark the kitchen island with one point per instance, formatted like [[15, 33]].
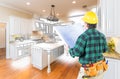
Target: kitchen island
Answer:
[[43, 54]]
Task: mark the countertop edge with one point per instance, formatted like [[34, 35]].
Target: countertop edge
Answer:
[[112, 58], [114, 55]]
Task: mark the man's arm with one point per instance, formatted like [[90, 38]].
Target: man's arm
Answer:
[[105, 46], [78, 49]]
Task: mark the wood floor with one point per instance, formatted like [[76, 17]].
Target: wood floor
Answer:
[[64, 67], [2, 53]]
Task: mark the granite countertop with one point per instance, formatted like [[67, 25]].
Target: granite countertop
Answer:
[[113, 55]]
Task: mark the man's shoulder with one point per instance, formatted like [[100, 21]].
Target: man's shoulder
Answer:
[[83, 35], [90, 32], [101, 33]]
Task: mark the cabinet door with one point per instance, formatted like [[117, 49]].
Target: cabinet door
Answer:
[[108, 17], [26, 26], [118, 70], [111, 73], [23, 26], [44, 58], [29, 25], [20, 25], [12, 26], [36, 55], [55, 53], [117, 17], [19, 52], [15, 26], [61, 50], [12, 51]]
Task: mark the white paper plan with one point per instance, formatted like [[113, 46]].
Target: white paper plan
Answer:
[[69, 34]]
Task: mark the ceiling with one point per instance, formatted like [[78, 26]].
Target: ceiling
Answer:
[[63, 7]]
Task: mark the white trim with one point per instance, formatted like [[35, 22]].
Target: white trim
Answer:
[[14, 8], [76, 16], [7, 38]]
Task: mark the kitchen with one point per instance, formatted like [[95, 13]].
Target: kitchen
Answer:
[[22, 18]]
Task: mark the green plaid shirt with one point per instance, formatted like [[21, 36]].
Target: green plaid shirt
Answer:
[[89, 47]]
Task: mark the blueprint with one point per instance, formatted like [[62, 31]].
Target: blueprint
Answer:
[[69, 34]]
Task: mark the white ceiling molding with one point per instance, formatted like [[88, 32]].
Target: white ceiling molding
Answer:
[[76, 16]]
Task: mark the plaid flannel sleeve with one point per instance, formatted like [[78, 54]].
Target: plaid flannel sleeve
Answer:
[[105, 46], [78, 49]]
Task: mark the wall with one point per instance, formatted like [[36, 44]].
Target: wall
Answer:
[[6, 12], [2, 35]]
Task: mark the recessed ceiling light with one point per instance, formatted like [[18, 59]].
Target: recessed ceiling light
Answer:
[[74, 2], [57, 14], [28, 3], [43, 10]]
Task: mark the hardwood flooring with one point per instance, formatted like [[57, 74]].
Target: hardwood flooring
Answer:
[[65, 67], [2, 53]]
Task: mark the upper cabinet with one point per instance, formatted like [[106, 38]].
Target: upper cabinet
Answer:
[[110, 18], [117, 17], [26, 26], [14, 25], [20, 26]]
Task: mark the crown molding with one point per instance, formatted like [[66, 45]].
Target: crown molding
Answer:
[[14, 8], [76, 16]]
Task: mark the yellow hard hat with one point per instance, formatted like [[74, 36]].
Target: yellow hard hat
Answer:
[[90, 17]]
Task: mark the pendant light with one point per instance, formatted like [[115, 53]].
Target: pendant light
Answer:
[[52, 16]]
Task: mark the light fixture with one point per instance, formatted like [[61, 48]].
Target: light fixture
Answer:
[[74, 2], [52, 16], [43, 10], [28, 3], [57, 14]]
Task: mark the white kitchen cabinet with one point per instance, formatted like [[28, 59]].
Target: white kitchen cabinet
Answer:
[[118, 76], [20, 26], [26, 26], [113, 69], [117, 17], [110, 17], [20, 49], [15, 24], [39, 54], [23, 26], [61, 50], [39, 58], [107, 17]]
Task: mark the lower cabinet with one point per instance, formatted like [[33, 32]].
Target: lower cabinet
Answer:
[[39, 56], [118, 70], [18, 50], [113, 69]]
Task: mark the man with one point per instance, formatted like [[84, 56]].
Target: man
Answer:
[[89, 47]]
